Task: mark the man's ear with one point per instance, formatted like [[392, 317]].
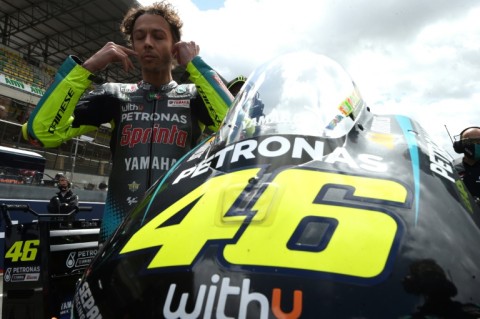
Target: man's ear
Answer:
[[173, 52]]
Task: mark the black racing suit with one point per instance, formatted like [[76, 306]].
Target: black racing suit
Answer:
[[151, 127]]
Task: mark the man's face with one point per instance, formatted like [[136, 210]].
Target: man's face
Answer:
[[63, 183], [152, 40]]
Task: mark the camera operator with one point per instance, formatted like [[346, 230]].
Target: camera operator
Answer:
[[468, 166]]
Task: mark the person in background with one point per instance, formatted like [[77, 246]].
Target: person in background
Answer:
[[236, 84], [65, 200], [468, 166], [3, 112], [103, 186], [233, 86], [155, 121]]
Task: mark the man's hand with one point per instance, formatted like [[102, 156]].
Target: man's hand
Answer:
[[184, 52], [110, 53]]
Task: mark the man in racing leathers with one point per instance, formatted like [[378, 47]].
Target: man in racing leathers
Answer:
[[154, 122]]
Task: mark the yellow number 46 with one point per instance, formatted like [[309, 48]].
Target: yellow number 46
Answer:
[[23, 250], [358, 239]]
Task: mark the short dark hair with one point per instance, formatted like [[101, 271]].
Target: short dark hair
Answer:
[[164, 9]]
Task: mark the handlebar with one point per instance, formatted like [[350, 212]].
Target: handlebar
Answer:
[[26, 208], [23, 207], [5, 208]]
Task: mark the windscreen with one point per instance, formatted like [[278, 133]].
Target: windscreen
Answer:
[[300, 93]]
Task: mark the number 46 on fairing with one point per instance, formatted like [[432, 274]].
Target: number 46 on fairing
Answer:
[[355, 238]]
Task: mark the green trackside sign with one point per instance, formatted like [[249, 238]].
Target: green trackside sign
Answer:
[[32, 89]]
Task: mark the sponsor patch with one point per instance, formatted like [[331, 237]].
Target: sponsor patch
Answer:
[[178, 103]]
